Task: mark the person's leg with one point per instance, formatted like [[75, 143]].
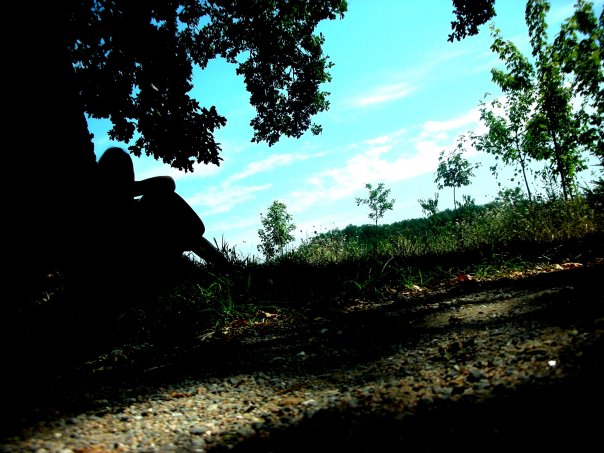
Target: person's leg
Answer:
[[172, 227], [209, 253]]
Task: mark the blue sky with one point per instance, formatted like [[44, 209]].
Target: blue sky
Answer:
[[400, 94]]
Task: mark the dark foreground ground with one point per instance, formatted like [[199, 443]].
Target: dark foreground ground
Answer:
[[515, 363]]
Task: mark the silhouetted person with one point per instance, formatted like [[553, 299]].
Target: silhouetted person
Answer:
[[144, 226], [133, 236]]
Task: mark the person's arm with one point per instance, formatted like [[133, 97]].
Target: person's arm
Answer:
[[155, 184]]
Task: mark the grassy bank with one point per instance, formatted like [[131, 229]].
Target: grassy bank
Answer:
[[358, 262]]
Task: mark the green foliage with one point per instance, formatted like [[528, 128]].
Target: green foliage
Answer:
[[490, 228], [453, 170], [276, 230], [333, 247], [377, 200], [508, 135], [509, 234], [540, 121], [378, 203], [429, 205], [580, 45]]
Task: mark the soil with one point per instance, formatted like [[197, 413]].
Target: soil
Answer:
[[514, 362]]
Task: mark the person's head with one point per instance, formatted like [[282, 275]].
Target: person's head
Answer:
[[116, 169]]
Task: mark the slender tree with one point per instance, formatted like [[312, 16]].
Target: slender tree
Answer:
[[508, 134], [562, 120], [378, 203], [554, 124], [508, 137], [581, 48], [276, 231], [453, 169]]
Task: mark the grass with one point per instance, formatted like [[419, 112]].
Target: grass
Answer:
[[489, 242]]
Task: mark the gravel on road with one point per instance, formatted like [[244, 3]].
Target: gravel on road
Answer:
[[482, 365]]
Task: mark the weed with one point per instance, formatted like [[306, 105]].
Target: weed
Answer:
[[496, 239]]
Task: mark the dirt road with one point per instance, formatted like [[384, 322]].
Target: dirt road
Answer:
[[509, 363]]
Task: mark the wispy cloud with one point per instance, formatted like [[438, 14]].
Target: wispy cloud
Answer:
[[231, 193], [383, 93], [269, 164], [400, 84], [430, 128], [387, 139], [214, 200]]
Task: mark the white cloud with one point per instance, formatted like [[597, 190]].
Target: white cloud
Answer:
[[268, 164], [386, 139], [383, 93], [366, 166], [410, 80], [237, 224], [223, 200], [470, 118]]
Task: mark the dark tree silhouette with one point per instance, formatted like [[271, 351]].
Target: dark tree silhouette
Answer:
[[469, 16], [132, 62]]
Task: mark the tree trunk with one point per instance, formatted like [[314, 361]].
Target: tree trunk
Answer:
[[51, 158]]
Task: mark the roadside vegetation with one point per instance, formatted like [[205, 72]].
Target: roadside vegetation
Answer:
[[505, 238]]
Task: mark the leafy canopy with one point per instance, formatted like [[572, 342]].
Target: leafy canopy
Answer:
[[469, 16], [134, 64]]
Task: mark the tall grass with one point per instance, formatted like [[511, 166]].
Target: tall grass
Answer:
[[344, 265], [472, 239]]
